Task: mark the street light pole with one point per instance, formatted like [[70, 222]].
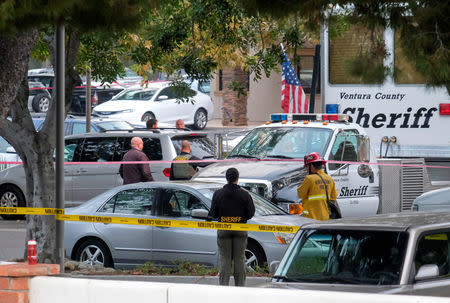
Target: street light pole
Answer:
[[60, 113]]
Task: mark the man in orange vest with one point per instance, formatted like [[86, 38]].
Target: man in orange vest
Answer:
[[315, 188]]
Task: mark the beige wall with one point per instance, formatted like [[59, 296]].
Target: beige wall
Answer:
[[264, 98]]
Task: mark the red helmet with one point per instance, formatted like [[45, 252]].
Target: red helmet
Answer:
[[313, 157]]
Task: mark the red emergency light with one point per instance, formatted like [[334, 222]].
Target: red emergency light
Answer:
[[444, 109], [330, 117]]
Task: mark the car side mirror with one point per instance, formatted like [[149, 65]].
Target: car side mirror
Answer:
[[199, 213], [273, 267], [427, 271], [162, 97]]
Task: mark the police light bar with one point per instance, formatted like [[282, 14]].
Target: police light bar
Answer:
[[444, 109], [308, 117]]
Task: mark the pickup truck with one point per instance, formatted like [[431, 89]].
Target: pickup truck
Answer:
[[402, 253]]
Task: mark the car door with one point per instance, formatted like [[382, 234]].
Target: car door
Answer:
[[171, 109], [90, 179], [71, 147], [433, 249], [170, 244], [130, 245]]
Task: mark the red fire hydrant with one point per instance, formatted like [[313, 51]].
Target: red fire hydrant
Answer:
[[32, 252]]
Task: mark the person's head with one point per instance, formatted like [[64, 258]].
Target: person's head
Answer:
[[179, 124], [152, 123], [136, 142], [232, 175], [185, 146], [313, 162]]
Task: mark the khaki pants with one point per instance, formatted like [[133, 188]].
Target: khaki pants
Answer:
[[232, 246]]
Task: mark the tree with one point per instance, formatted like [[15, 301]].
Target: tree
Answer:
[[423, 27], [196, 36], [21, 25]]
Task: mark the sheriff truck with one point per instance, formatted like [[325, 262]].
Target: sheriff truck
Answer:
[[270, 160]]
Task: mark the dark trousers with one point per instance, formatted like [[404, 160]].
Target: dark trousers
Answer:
[[232, 246]]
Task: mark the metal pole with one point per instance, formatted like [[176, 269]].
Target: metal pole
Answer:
[[60, 113], [312, 96], [88, 101]]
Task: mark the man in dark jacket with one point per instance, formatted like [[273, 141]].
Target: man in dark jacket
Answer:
[[232, 204], [136, 172]]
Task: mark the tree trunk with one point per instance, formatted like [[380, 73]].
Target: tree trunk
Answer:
[[34, 148]]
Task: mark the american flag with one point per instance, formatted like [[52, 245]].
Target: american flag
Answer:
[[293, 98]]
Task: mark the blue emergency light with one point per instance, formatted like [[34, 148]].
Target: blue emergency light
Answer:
[[332, 108], [278, 117]]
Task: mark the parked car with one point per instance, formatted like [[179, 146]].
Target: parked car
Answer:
[[84, 181], [404, 253], [119, 245], [160, 101], [40, 97], [435, 200]]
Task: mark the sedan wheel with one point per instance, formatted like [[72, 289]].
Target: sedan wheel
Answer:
[[254, 256], [94, 252], [200, 119], [148, 116], [11, 196]]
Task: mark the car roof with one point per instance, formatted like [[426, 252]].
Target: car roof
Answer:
[[386, 222], [178, 184], [140, 133]]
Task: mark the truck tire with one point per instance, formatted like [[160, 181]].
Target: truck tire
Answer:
[[40, 103]]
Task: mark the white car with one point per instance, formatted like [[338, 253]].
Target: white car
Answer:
[[138, 104]]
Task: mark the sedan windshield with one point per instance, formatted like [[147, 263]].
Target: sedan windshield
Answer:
[[345, 257], [282, 143], [134, 95], [262, 206]]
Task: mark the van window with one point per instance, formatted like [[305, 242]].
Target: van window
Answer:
[[152, 148], [99, 149], [201, 147]]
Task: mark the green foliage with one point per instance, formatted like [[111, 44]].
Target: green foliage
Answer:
[[239, 88], [182, 91], [41, 51], [102, 53]]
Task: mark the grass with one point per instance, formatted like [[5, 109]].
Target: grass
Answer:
[[186, 268]]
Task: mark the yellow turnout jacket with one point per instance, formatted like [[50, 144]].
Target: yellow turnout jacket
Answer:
[[313, 195]]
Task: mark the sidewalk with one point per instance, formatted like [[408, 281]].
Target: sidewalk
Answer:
[[206, 280]]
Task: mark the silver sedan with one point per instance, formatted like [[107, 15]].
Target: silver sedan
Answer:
[[126, 246]]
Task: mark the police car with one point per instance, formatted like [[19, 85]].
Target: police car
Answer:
[[270, 160]]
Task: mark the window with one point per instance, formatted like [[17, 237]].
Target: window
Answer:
[[346, 257], [346, 47], [99, 149], [306, 74], [152, 148], [72, 150], [78, 128], [344, 148], [434, 249], [201, 147], [178, 203], [137, 201]]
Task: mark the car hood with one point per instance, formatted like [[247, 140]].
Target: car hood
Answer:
[[118, 105], [264, 170], [291, 220], [339, 287]]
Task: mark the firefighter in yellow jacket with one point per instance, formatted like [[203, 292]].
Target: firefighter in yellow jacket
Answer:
[[312, 190]]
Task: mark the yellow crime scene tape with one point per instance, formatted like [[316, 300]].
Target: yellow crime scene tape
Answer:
[[59, 213]]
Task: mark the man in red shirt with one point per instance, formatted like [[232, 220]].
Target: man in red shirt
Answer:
[[136, 172]]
